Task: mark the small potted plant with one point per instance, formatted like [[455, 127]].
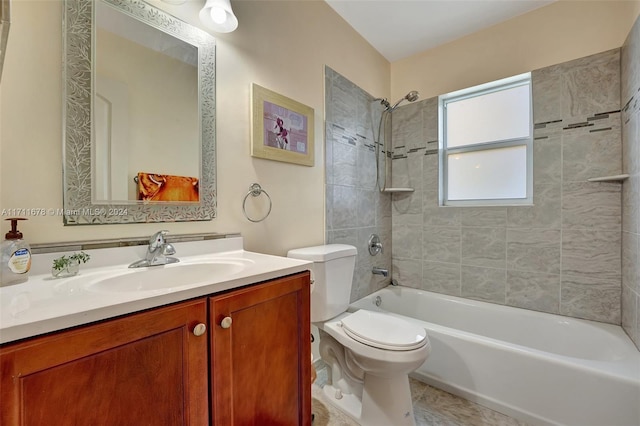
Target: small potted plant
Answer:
[[68, 266]]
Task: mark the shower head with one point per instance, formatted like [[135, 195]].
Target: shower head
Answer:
[[412, 96]]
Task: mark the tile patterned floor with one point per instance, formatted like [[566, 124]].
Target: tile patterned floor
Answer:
[[431, 406]]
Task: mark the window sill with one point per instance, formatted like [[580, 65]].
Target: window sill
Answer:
[[489, 205]]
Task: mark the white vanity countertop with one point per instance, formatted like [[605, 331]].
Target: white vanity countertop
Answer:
[[44, 304]]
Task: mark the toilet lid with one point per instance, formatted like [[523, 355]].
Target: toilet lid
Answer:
[[384, 331]]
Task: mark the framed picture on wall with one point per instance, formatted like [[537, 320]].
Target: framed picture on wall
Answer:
[[281, 128]]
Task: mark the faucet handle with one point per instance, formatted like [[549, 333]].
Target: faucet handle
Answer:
[[375, 245], [158, 238]]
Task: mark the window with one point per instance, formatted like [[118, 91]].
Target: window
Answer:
[[486, 144]]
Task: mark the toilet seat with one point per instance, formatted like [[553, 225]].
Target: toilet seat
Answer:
[[383, 331]]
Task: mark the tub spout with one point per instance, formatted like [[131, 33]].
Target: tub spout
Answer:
[[380, 271]]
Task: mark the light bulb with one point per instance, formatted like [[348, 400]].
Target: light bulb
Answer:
[[218, 15]]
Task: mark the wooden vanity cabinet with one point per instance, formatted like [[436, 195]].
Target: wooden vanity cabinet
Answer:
[[143, 369], [154, 367], [261, 354]]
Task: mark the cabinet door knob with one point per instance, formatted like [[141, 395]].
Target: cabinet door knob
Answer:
[[226, 322], [199, 329]]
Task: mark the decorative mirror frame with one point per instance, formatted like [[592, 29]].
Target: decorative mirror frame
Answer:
[[79, 208]]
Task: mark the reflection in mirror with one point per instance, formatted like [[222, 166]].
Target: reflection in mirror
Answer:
[[145, 112], [139, 141]]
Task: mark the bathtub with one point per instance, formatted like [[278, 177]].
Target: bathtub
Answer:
[[539, 368]]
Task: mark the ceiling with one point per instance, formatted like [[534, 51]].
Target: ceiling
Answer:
[[401, 28]]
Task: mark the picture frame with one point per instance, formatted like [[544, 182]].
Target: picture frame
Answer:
[[281, 129]]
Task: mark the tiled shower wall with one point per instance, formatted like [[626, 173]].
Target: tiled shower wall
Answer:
[[355, 208], [561, 255], [630, 79]]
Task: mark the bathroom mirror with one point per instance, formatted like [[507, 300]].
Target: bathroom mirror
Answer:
[[124, 122]]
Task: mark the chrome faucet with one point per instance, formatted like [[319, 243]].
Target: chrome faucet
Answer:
[[159, 252], [380, 271]]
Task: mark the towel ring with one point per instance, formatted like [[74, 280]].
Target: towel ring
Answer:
[[255, 190]]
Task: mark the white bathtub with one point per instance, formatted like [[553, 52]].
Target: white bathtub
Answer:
[[537, 367]]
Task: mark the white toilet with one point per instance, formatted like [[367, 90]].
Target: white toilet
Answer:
[[369, 354]]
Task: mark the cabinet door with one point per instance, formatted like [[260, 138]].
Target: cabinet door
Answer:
[[261, 359], [142, 369]]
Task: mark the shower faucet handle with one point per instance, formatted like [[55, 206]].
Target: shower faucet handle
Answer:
[[375, 245]]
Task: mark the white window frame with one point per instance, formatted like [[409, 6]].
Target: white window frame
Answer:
[[444, 151]]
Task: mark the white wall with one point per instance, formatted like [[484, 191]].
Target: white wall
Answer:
[[281, 45], [560, 32]]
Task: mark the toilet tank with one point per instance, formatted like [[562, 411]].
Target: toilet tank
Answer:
[[332, 275]]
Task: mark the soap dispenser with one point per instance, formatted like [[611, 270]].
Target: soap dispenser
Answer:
[[16, 256]]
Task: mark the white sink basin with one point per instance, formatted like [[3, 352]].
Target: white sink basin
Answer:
[[168, 276]]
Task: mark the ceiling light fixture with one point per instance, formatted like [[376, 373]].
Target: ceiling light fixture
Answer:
[[217, 15]]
